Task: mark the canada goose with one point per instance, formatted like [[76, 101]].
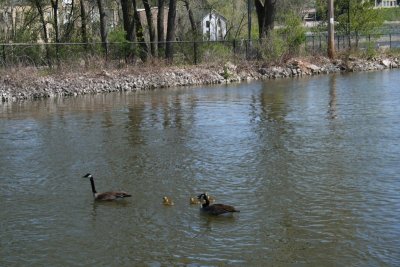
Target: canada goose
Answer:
[[195, 200], [106, 195], [167, 201], [214, 209]]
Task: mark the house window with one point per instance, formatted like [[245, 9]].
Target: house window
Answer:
[[207, 24]]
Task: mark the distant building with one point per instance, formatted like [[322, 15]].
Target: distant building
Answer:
[[386, 3], [309, 14], [213, 26]]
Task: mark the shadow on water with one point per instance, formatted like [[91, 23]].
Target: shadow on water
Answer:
[[332, 111], [117, 204]]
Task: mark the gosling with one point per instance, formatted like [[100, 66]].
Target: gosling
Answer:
[[167, 201]]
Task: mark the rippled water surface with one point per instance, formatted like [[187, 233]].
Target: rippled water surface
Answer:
[[312, 163]]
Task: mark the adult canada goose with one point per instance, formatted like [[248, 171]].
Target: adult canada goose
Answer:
[[106, 195], [167, 201], [215, 209]]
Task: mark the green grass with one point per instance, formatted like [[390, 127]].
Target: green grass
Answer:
[[390, 14]]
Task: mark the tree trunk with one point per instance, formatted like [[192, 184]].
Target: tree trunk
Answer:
[[54, 6], [169, 51], [84, 30], [129, 27], [39, 7], [191, 19], [84, 25], [266, 16], [139, 33], [150, 25], [160, 26], [103, 26], [128, 20], [70, 24]]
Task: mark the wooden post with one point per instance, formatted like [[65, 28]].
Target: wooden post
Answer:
[[331, 31]]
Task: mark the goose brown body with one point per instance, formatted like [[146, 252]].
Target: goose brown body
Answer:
[[112, 195], [215, 209]]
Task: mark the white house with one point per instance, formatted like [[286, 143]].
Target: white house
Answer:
[[386, 3], [213, 26]]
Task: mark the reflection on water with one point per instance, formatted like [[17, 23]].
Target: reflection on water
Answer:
[[311, 163]]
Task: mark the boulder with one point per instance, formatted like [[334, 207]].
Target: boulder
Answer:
[[386, 62]]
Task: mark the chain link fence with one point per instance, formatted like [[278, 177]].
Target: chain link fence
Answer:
[[185, 52]]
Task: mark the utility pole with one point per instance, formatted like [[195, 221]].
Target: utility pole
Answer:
[[331, 30]]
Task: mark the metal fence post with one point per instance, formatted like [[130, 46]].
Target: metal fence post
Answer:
[[313, 43], [4, 54], [320, 43], [195, 52]]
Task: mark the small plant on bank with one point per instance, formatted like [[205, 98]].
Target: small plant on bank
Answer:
[[285, 42], [272, 48], [293, 33], [226, 73], [215, 52]]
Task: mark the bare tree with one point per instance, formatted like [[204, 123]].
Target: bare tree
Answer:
[[191, 18], [160, 25], [128, 20], [40, 6], [84, 24], [103, 25], [70, 21], [54, 6], [139, 33], [169, 53], [150, 25]]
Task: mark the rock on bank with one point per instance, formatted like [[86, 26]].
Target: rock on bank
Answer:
[[28, 84]]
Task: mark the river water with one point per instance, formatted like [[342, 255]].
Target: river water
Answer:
[[312, 164]]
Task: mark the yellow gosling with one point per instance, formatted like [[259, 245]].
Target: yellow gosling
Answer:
[[167, 201]]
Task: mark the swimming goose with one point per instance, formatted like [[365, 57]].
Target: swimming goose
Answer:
[[167, 201], [106, 195], [214, 209]]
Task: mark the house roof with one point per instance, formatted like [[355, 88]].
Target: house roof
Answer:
[[206, 12]]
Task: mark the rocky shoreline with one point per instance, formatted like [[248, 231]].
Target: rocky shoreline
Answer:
[[19, 87]]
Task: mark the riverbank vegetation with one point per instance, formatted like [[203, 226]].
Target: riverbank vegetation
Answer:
[[90, 44], [180, 32]]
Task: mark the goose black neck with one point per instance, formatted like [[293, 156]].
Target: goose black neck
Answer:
[[207, 202], [92, 183]]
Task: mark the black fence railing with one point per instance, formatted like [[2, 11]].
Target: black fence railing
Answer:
[[318, 43], [185, 52]]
